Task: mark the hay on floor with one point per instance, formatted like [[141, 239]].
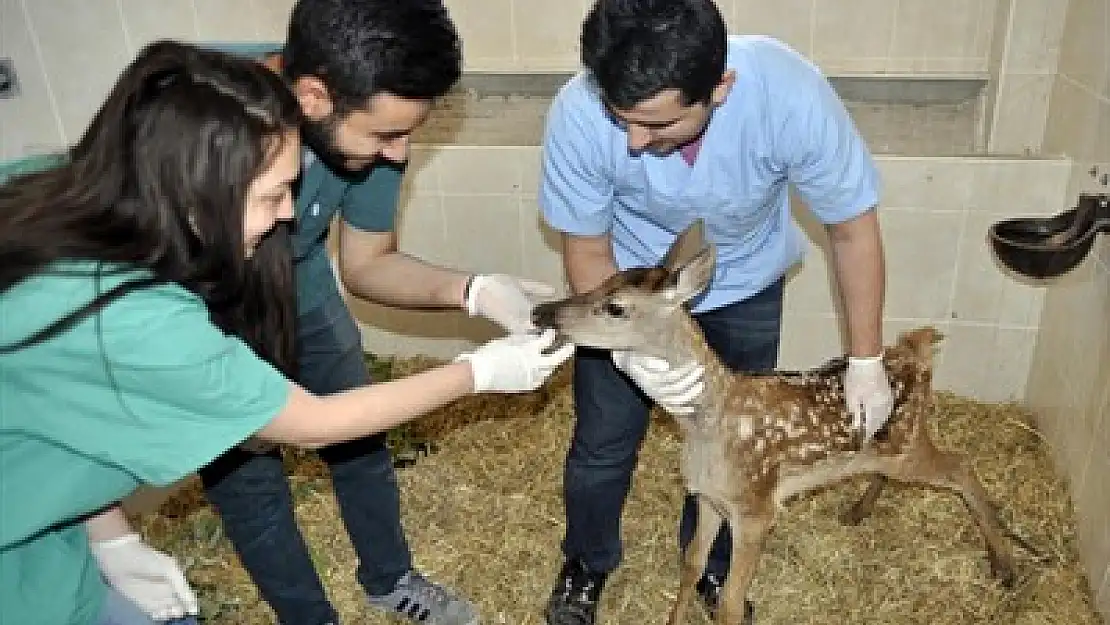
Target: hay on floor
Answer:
[[483, 512]]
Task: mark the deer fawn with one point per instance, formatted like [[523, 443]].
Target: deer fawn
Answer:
[[760, 439]]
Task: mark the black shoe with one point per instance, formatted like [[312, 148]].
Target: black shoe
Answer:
[[575, 595], [709, 591]]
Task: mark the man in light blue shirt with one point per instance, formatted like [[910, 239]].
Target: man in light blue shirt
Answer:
[[671, 121]]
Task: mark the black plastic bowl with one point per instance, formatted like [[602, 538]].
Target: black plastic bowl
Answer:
[[1050, 247]]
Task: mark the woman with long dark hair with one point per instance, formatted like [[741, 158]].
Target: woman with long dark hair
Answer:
[[146, 319]]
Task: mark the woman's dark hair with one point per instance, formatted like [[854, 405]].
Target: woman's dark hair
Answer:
[[159, 181]]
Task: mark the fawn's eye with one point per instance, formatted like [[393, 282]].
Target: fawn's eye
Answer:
[[614, 309]]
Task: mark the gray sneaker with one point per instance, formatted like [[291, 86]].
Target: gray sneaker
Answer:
[[422, 601]]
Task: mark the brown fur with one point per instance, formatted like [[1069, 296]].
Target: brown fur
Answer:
[[759, 439]]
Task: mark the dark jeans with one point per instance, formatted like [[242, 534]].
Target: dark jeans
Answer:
[[254, 501], [613, 418], [118, 610]]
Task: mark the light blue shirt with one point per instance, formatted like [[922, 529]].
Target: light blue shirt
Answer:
[[781, 124]]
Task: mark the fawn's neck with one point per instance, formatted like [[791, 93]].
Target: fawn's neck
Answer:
[[687, 343]]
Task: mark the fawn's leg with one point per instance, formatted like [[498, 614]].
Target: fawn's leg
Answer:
[[949, 470], [697, 552], [749, 531], [862, 508]]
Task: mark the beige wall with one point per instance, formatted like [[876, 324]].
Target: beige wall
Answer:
[[842, 35], [1023, 59], [1069, 385], [68, 52]]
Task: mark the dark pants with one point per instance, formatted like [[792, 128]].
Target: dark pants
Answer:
[[119, 610], [253, 499], [612, 418]]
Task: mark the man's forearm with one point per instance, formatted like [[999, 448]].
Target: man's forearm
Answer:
[[584, 273], [397, 279], [588, 261], [108, 524], [857, 252]]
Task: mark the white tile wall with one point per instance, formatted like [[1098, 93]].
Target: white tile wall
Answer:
[[844, 39], [1028, 36], [30, 122], [69, 51], [1068, 385], [218, 20], [145, 21], [79, 76]]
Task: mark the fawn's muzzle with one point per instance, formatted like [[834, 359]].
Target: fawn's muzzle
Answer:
[[546, 315]]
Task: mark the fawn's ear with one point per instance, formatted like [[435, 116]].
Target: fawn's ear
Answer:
[[692, 278], [685, 247]]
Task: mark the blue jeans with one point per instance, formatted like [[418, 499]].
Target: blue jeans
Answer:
[[612, 419], [253, 499], [118, 610]]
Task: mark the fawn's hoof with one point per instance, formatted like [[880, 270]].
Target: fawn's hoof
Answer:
[[1003, 571], [853, 516], [709, 589]]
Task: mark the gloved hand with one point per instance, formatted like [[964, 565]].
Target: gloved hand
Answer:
[[506, 300], [675, 390], [867, 392], [151, 579], [514, 364]]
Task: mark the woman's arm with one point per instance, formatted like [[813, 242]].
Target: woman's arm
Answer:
[[108, 524], [315, 421], [512, 364]]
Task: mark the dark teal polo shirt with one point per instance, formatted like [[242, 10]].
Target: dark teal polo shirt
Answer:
[[368, 204]]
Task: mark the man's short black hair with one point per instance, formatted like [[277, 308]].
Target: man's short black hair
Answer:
[[361, 48], [636, 48]]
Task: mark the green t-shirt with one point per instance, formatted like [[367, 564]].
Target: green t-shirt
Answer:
[[368, 204], [148, 390]]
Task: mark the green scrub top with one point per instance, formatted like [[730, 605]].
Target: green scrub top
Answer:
[[146, 391]]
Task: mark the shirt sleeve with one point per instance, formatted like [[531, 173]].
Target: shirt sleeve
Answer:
[[371, 204], [186, 391], [575, 193], [825, 157]]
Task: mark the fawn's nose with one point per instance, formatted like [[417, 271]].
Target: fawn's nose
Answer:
[[545, 315]]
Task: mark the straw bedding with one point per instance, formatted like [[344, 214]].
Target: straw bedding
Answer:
[[483, 513]]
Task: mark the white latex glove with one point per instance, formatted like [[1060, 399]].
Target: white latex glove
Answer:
[[151, 579], [506, 300], [867, 392], [514, 364], [675, 390]]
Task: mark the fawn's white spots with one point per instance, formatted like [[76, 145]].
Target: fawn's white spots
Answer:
[[746, 428]]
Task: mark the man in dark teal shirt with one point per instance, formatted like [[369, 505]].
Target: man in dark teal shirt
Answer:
[[366, 73]]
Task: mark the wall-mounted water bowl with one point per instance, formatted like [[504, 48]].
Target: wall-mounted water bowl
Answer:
[[1051, 246]]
